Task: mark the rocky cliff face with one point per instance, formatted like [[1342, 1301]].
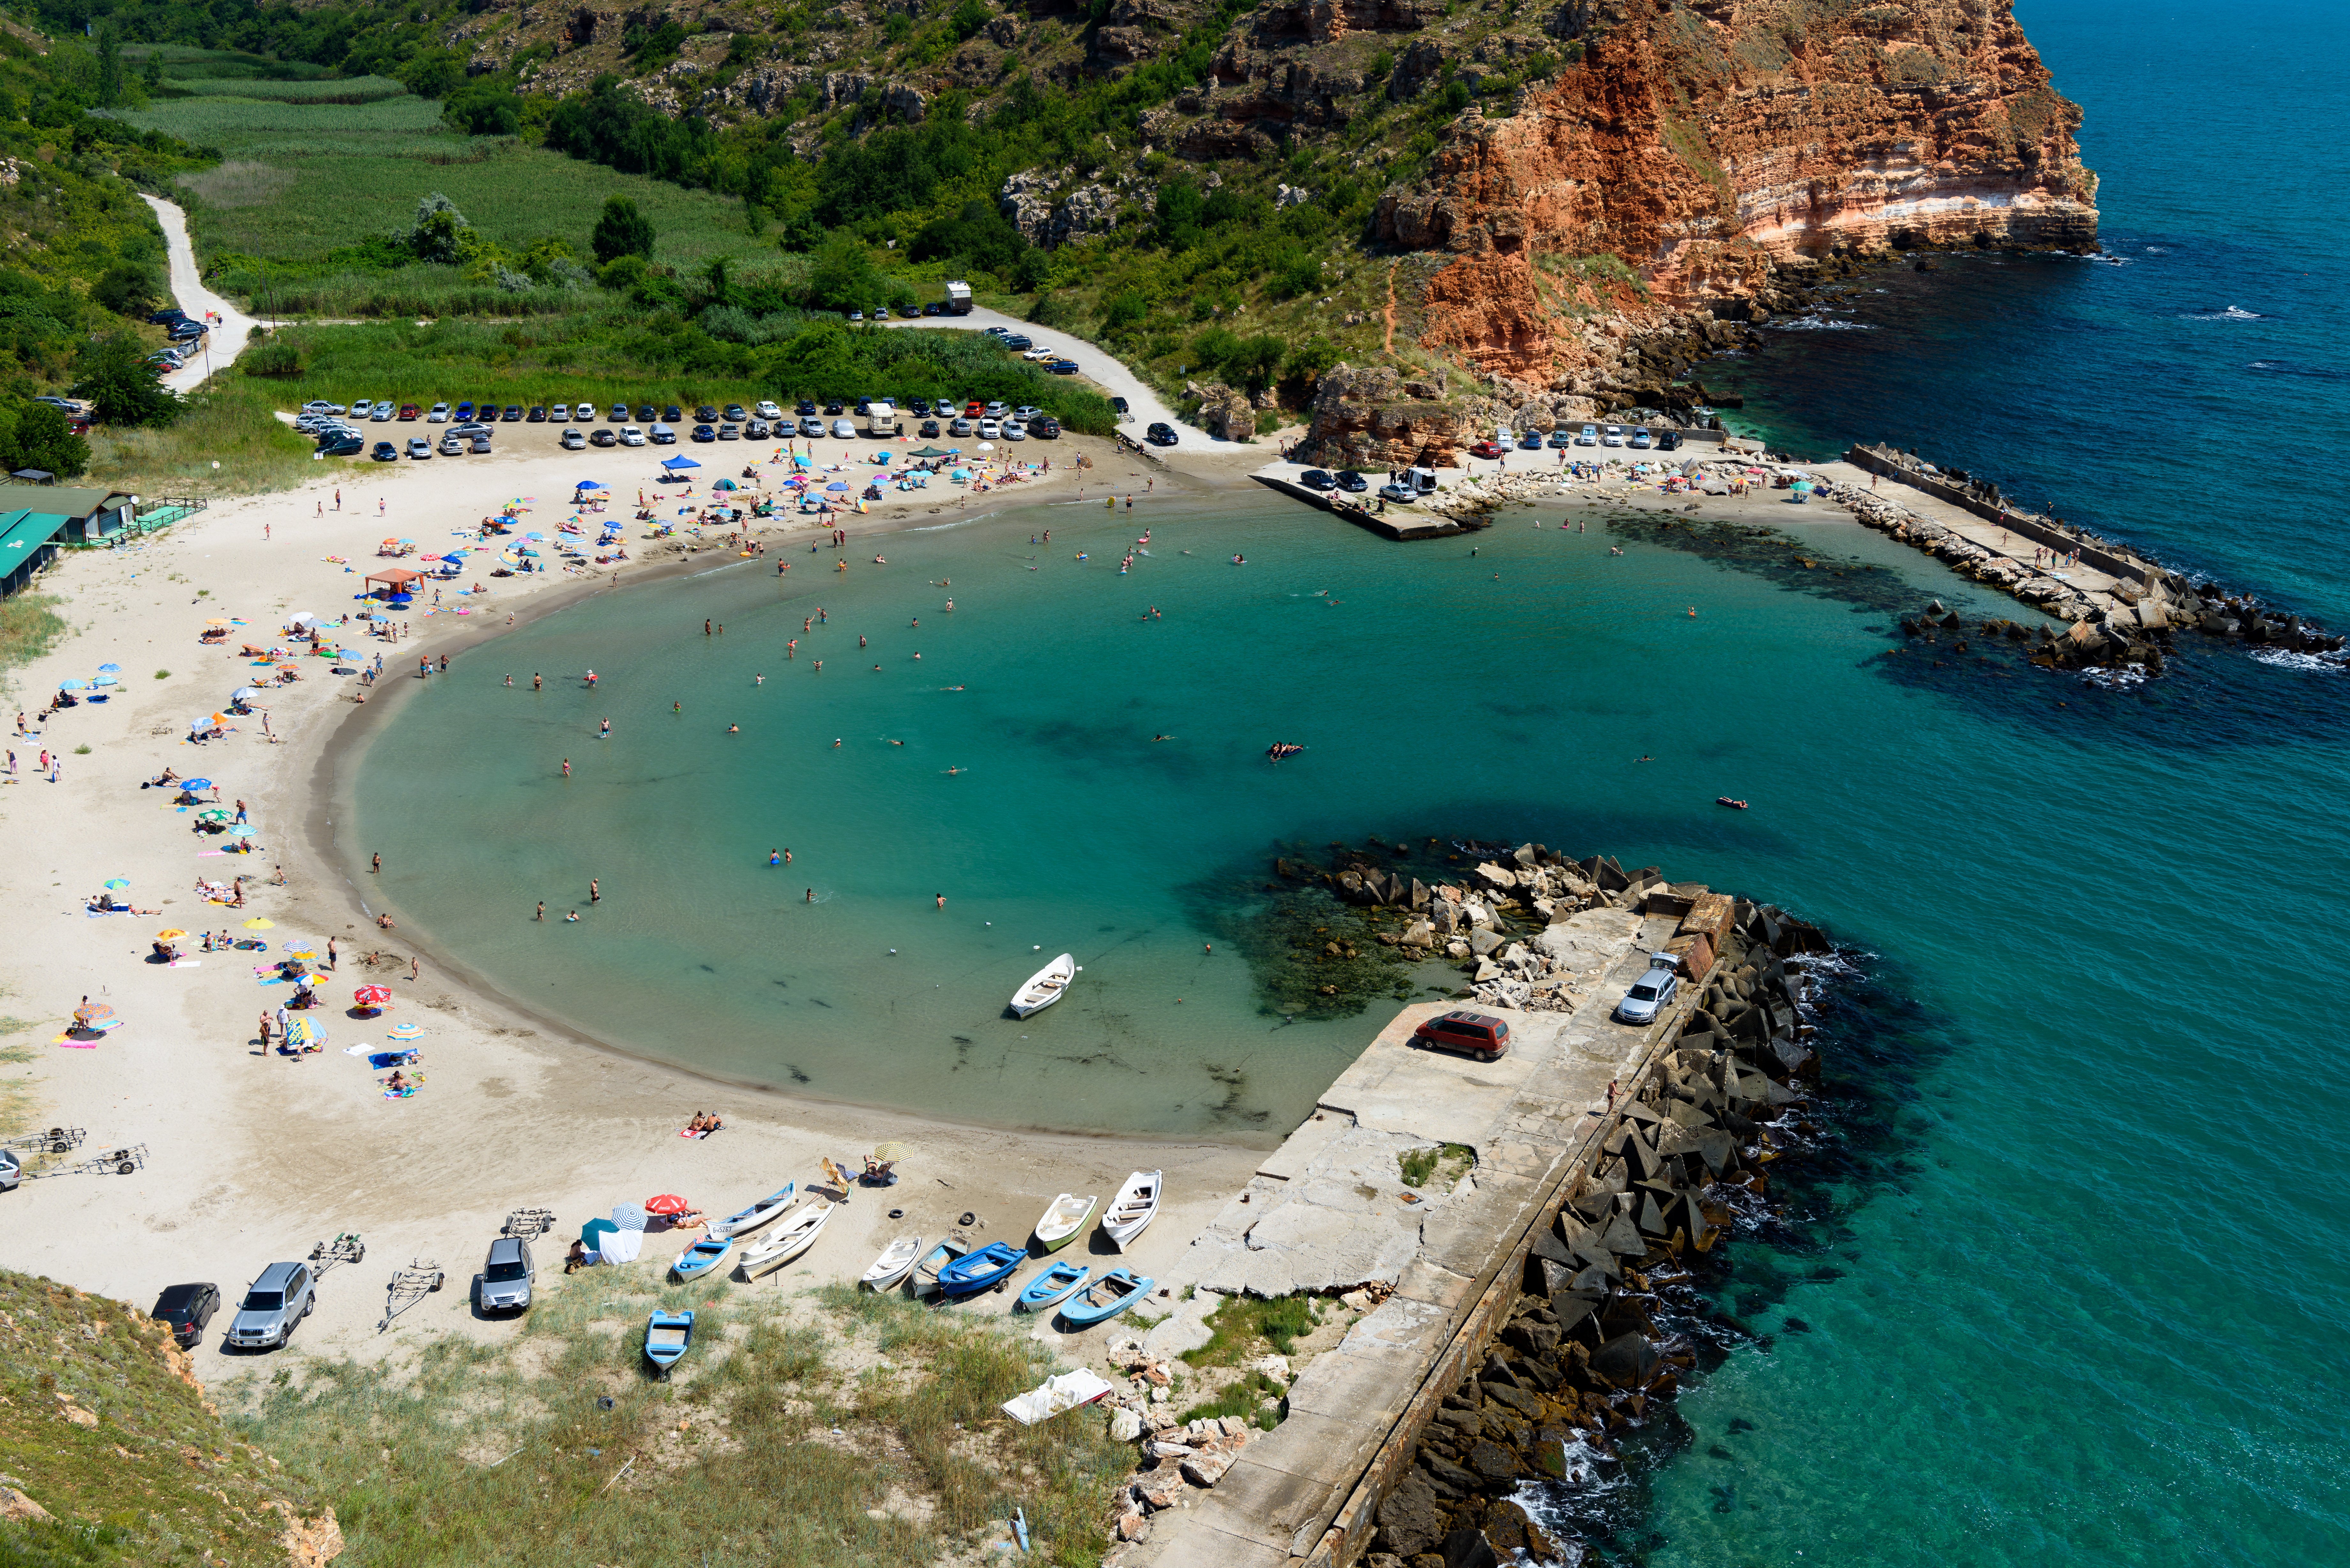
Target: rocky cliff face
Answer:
[[1707, 146]]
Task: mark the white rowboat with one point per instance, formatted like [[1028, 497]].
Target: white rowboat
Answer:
[[1136, 1205], [796, 1235], [1064, 1218], [1045, 987], [758, 1214], [896, 1260]]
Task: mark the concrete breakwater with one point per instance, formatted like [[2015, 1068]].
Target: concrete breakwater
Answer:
[[2122, 606], [1599, 1154]]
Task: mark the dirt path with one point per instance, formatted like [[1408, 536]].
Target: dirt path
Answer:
[[229, 324]]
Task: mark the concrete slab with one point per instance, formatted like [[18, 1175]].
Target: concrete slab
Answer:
[[1298, 1151], [1318, 1446]]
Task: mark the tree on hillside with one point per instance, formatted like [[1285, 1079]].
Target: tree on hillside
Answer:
[[36, 435], [622, 231], [109, 66], [127, 289], [441, 234], [121, 387]]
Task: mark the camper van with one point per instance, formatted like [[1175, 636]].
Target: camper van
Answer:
[[880, 420]]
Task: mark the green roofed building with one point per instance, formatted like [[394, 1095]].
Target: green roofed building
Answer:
[[90, 514], [28, 541]]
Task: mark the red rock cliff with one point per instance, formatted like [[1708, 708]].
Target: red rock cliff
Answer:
[[1703, 145]]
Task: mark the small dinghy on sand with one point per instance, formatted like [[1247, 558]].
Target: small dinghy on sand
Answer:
[[1064, 1218], [667, 1334], [758, 1214], [1058, 1283], [704, 1256], [896, 1262], [1136, 1205], [796, 1235], [1045, 986], [1110, 1295], [924, 1282]]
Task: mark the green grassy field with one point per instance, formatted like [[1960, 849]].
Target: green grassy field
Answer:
[[351, 90]]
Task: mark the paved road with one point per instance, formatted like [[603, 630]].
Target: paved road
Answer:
[[1099, 367], [188, 291]]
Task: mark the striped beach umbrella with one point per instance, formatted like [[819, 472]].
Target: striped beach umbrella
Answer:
[[406, 1032]]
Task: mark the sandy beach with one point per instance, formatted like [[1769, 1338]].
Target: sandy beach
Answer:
[[253, 1157]]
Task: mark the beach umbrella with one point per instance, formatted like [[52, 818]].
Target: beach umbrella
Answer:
[[593, 1233], [835, 485], [890, 1151], [401, 599], [216, 623], [242, 830], [681, 464], [591, 484], [90, 1012], [372, 995], [170, 934], [666, 1203], [73, 685], [118, 882], [533, 535], [195, 783], [455, 557], [628, 1217], [258, 924], [406, 1031], [305, 1032], [245, 694]]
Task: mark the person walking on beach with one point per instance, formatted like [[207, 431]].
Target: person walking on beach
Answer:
[[414, 969], [542, 910], [567, 767], [330, 952], [605, 733], [375, 863], [595, 891]]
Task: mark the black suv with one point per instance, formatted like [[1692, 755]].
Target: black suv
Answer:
[[184, 1310], [705, 414], [804, 407], [1159, 435], [671, 414]]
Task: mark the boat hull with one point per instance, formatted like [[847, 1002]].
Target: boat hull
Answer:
[[1108, 1296]]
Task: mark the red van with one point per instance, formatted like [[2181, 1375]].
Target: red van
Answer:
[[1477, 1034]]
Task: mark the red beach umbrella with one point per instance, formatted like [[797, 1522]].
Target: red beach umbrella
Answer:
[[372, 995], [667, 1203]]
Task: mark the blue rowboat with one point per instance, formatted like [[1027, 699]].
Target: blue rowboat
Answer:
[[1056, 1284], [1110, 1295], [981, 1270], [667, 1335], [704, 1256]]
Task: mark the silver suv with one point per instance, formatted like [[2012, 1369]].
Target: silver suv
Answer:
[[507, 1276], [12, 1170], [280, 1298], [1653, 992]]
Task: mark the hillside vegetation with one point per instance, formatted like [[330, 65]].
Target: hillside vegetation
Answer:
[[113, 1455]]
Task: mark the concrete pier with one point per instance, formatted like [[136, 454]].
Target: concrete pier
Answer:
[[1327, 1211]]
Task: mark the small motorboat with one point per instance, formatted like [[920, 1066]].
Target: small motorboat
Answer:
[[668, 1336], [925, 1280], [1110, 1295], [758, 1214], [1063, 1217], [796, 1235], [1136, 1205], [702, 1256], [1056, 1284], [896, 1262], [975, 1273], [1045, 986], [1732, 804]]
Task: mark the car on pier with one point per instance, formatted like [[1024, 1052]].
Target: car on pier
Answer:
[[1352, 482], [1478, 1034], [1403, 495], [1317, 479], [1653, 992]]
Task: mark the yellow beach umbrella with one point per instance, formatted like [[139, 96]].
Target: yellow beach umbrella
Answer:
[[258, 924], [171, 935]]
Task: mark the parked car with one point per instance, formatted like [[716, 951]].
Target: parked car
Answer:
[[383, 413], [997, 410], [767, 409], [507, 1276], [928, 431], [1040, 356], [673, 414], [464, 411], [1478, 1034], [856, 315], [439, 415], [1403, 493], [1487, 449], [384, 452], [186, 332], [1587, 436], [420, 449], [1018, 342], [631, 436], [481, 444], [757, 430], [1653, 992], [514, 413], [736, 412], [1316, 479], [1529, 440], [934, 308], [619, 415], [1612, 436], [662, 435], [184, 1310], [12, 1170], [470, 428], [1160, 434], [844, 430], [315, 406], [918, 407], [538, 414], [880, 313], [1669, 440], [560, 414], [575, 440], [454, 446], [1123, 412], [167, 316], [410, 411], [341, 445], [730, 432], [603, 436], [962, 428], [811, 426], [989, 431], [645, 413], [1352, 482], [1641, 440], [1047, 429], [1562, 437], [278, 1299], [973, 408], [1063, 368], [834, 406], [1014, 431], [704, 432]]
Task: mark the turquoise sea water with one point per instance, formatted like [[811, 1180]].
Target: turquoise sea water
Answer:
[[2060, 1284]]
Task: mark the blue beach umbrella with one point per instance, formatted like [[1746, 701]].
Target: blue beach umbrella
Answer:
[[401, 599], [591, 484], [103, 680], [533, 535], [836, 484], [109, 669], [73, 685], [680, 462], [195, 783], [455, 557]]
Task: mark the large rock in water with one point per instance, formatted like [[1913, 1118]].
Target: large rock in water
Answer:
[[1410, 1523]]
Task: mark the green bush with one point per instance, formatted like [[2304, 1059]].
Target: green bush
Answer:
[[622, 231], [273, 355], [113, 374]]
